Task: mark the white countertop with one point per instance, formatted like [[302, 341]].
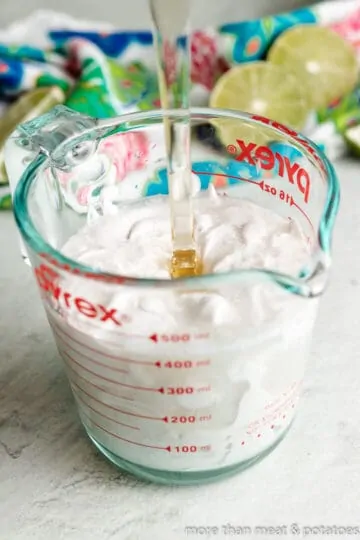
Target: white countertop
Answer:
[[54, 484]]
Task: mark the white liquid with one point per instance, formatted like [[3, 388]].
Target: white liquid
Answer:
[[247, 348]]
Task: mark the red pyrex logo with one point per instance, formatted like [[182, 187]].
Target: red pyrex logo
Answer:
[[48, 282], [266, 159]]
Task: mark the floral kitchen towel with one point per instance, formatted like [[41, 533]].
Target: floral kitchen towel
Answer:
[[104, 72]]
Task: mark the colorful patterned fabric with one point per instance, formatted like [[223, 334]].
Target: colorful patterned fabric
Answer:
[[250, 40], [109, 73]]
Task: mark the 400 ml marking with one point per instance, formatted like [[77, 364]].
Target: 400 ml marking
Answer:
[[266, 159]]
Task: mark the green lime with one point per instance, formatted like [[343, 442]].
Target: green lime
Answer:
[[324, 64], [258, 88], [352, 138]]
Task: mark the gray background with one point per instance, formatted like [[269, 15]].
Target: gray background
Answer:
[[134, 13]]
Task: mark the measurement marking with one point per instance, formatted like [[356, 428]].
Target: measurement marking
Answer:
[[104, 415], [261, 186], [190, 449], [130, 336], [287, 198], [294, 203], [106, 355], [166, 338], [95, 385], [170, 338], [182, 364], [177, 338], [204, 388], [143, 388], [206, 418], [167, 448], [117, 370], [207, 173], [165, 419]]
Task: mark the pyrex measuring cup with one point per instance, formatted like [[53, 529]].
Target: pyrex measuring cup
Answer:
[[160, 392]]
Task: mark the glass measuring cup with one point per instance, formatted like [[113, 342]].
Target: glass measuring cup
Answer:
[[172, 398]]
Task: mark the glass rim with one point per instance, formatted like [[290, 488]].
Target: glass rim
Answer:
[[297, 284]]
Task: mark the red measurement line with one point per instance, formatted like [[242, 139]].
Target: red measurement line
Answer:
[[167, 448], [293, 203], [95, 385], [104, 415], [130, 336], [143, 388], [207, 173], [260, 184], [92, 349], [118, 370], [115, 408]]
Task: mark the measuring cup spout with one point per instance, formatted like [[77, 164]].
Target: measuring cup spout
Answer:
[[317, 279]]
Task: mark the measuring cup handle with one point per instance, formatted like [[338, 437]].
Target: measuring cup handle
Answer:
[[16, 161], [44, 134]]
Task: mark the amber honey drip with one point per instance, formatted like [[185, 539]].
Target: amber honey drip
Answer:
[[185, 263]]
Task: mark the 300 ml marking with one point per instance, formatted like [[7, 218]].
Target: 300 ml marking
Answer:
[[181, 390]]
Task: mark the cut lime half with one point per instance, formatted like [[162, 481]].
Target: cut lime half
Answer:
[[323, 63], [352, 138], [258, 88]]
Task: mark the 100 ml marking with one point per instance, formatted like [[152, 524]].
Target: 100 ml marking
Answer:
[[191, 449]]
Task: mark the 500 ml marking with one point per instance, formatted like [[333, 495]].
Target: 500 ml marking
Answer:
[[178, 338]]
